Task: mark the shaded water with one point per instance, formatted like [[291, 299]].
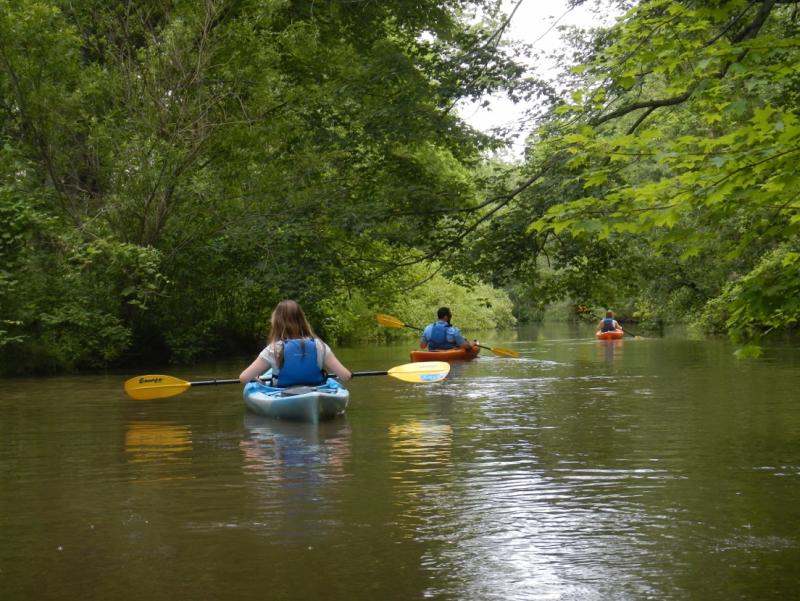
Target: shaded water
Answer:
[[634, 469]]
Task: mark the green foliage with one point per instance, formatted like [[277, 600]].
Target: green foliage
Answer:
[[667, 179], [763, 300], [177, 168], [414, 296], [19, 222], [479, 307], [767, 298], [19, 219], [79, 297], [23, 219], [102, 285]]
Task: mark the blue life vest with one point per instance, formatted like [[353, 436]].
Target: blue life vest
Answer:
[[437, 340], [608, 324], [299, 364]]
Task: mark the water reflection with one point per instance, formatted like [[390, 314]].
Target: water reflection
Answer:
[[422, 464], [284, 451], [160, 450], [458, 367], [157, 441], [612, 349], [520, 510], [643, 469], [422, 442], [294, 470]]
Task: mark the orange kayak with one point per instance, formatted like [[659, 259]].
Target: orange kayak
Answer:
[[610, 335], [455, 354]]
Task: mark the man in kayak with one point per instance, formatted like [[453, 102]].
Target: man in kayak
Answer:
[[442, 335], [294, 353], [608, 323]]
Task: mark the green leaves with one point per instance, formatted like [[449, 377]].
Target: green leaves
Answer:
[[178, 167], [685, 135]]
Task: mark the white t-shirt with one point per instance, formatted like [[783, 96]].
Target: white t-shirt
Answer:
[[268, 355]]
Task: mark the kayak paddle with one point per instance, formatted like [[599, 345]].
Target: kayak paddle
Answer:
[[392, 322], [145, 388], [421, 372]]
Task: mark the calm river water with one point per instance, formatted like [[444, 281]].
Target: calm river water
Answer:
[[656, 468]]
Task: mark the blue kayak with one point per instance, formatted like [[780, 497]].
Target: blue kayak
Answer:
[[306, 403]]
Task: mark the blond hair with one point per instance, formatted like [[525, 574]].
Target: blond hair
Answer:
[[286, 323]]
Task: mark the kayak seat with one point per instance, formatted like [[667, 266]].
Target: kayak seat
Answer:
[[295, 390]]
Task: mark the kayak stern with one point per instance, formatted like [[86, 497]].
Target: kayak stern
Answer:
[[304, 403]]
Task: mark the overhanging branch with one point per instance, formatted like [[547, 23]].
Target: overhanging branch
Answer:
[[747, 33]]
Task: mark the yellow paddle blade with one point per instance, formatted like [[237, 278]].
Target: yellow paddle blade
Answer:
[[421, 372], [144, 388], [505, 352], [389, 321]]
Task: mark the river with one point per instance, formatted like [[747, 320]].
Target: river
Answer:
[[652, 468]]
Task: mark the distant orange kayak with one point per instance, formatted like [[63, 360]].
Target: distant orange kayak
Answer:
[[455, 354], [610, 335]]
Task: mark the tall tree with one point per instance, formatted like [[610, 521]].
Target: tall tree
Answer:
[[680, 131], [189, 164]]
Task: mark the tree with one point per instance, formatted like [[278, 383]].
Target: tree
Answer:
[[200, 161], [681, 125]]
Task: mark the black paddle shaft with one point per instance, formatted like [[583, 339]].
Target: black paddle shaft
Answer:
[[370, 373], [211, 382]]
